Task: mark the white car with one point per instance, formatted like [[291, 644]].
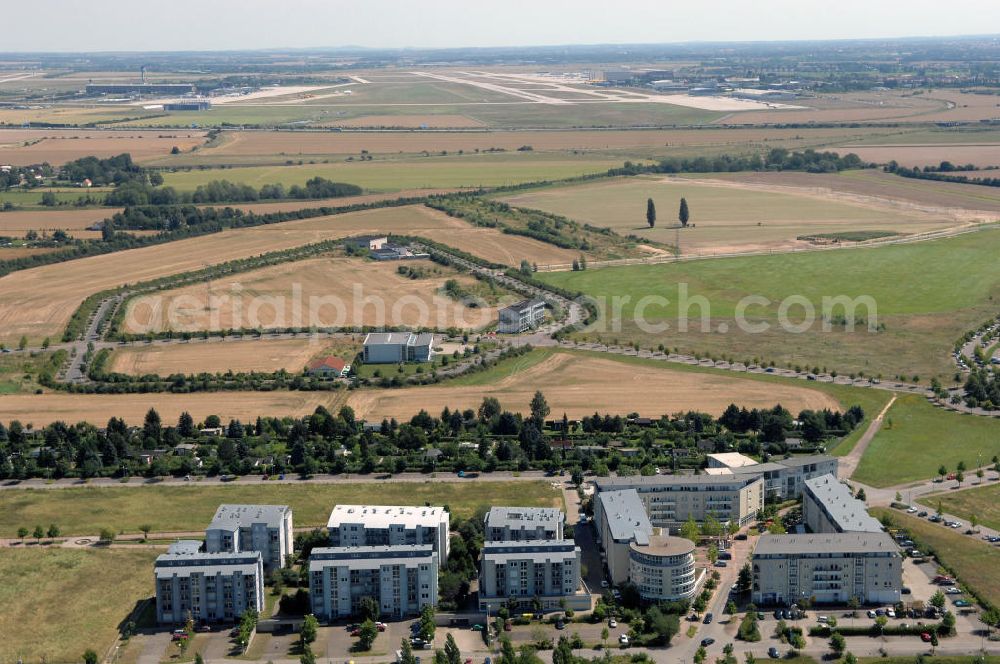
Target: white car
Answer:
[[872, 614], [612, 623], [623, 639], [953, 591], [912, 510], [890, 613]]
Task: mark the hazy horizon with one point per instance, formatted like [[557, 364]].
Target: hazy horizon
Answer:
[[68, 26]]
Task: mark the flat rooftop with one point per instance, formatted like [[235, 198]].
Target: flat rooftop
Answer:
[[523, 517], [535, 549], [846, 512], [825, 545], [663, 545], [666, 481], [624, 514], [383, 516], [231, 517], [170, 564], [732, 459], [372, 557]]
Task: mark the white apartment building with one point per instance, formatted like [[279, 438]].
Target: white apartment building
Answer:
[[619, 518], [785, 478], [402, 578], [670, 500], [826, 569], [264, 528], [829, 507], [521, 316], [210, 587], [377, 525], [523, 571], [662, 567], [515, 524]]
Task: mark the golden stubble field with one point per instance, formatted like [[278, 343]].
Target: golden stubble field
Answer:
[[40, 301], [579, 385], [916, 155], [217, 356], [327, 291], [18, 222], [22, 147]]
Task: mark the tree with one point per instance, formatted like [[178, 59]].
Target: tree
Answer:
[[539, 408], [145, 528], [22, 532], [406, 652], [860, 495], [45, 343], [683, 215], [838, 643], [974, 521], [185, 425], [664, 625], [23, 343], [713, 553], [366, 636], [152, 426], [53, 531], [38, 533], [849, 658], [107, 536], [308, 657], [89, 657], [604, 635], [960, 477], [689, 530], [368, 608], [451, 651], [49, 199], [745, 579], [650, 212], [309, 628], [198, 659], [937, 599], [942, 471]]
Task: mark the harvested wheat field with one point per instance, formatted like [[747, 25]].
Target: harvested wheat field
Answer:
[[57, 146], [328, 291], [929, 155], [42, 409], [40, 301], [288, 206], [18, 222], [446, 121], [579, 384], [217, 356]]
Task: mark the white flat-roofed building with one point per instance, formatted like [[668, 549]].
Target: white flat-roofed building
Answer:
[[828, 568], [662, 567], [783, 478], [380, 525], [829, 507], [671, 500], [729, 460], [264, 528], [521, 572], [395, 347], [620, 518], [514, 524], [210, 587], [521, 316], [402, 578]]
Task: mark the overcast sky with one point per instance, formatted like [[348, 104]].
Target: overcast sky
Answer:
[[178, 25]]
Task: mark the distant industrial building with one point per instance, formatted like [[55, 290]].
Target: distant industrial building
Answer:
[[395, 347], [402, 578], [208, 587], [376, 525], [517, 524], [521, 317], [829, 507], [520, 573], [619, 519], [826, 569], [173, 89], [670, 500], [193, 105], [264, 528], [662, 567]]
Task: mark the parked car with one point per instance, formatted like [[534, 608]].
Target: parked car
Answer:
[[720, 563], [953, 591], [560, 624], [708, 618], [612, 622], [623, 639], [773, 653], [707, 642], [890, 613], [925, 637], [963, 603], [381, 626], [872, 614]]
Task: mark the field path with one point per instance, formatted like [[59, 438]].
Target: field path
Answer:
[[849, 463]]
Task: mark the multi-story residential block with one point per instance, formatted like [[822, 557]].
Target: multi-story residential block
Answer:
[[520, 572], [826, 569], [521, 316], [374, 525], [785, 478], [829, 507], [662, 567], [402, 578], [208, 587], [620, 518], [515, 524], [264, 528], [670, 500]]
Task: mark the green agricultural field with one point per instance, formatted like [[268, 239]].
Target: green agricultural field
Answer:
[[413, 173], [85, 511], [57, 603], [917, 438], [32, 198], [19, 373], [983, 501], [926, 295], [725, 218], [973, 561]]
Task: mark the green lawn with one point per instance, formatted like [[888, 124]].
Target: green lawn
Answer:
[[917, 438], [85, 511], [973, 561], [925, 294], [56, 603], [32, 198], [411, 173], [19, 373], [982, 501]]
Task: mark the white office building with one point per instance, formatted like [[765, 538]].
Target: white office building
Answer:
[[208, 587], [378, 525], [264, 528], [520, 572], [521, 316], [402, 578], [395, 347], [516, 524]]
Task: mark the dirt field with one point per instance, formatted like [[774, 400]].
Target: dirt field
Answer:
[[218, 356], [580, 384], [40, 301], [325, 292], [22, 147], [42, 409], [928, 155], [18, 222], [727, 216]]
